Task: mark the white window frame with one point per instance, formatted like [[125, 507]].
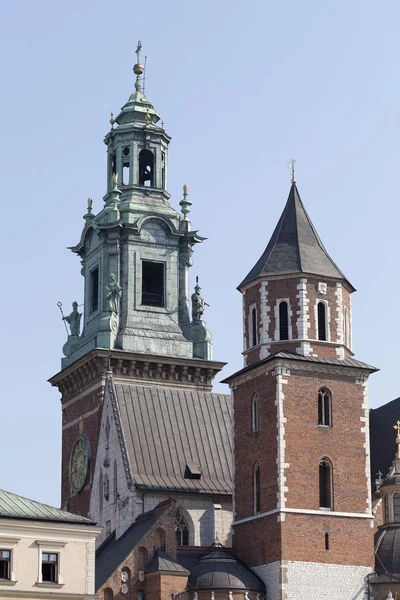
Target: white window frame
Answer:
[[51, 547], [277, 320], [9, 543], [327, 320]]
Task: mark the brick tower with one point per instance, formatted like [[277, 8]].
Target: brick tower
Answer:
[[302, 499], [138, 331]]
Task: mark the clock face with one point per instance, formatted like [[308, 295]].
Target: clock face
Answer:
[[79, 463]]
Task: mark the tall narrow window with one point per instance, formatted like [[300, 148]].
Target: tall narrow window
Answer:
[[163, 169], [327, 541], [346, 328], [153, 283], [325, 484], [107, 594], [254, 327], [321, 321], [94, 290], [49, 567], [283, 321], [396, 508], [254, 412], [146, 168], [5, 559], [386, 509], [257, 490], [181, 530], [324, 408]]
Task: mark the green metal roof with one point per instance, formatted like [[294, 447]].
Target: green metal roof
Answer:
[[18, 507]]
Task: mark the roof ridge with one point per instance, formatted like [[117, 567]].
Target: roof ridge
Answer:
[[44, 505]]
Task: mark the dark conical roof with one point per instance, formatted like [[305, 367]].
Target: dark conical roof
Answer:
[[295, 247]]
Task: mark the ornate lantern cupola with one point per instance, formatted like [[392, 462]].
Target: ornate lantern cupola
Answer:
[[136, 252]]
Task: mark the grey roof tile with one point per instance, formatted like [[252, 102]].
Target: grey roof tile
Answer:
[[160, 561], [345, 362], [295, 247], [383, 438], [18, 507], [164, 429]]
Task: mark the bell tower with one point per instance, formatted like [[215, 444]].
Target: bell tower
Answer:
[[135, 255], [302, 499]]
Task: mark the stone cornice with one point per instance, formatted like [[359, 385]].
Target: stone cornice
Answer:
[[189, 373]]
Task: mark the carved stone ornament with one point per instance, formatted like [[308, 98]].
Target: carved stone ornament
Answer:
[[322, 287]]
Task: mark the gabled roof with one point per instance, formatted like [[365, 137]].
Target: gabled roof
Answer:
[[165, 429], [160, 561], [114, 551], [288, 355], [295, 247], [18, 507]]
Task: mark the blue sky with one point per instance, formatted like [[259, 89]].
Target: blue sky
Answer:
[[243, 87]]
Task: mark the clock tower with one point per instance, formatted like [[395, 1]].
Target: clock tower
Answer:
[[137, 325]]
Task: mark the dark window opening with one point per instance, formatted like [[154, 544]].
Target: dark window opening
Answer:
[[396, 508], [327, 541], [152, 283], [181, 531], [283, 321], [325, 487], [140, 595], [5, 558], [49, 567], [254, 413], [321, 321], [94, 290], [146, 168], [125, 151], [108, 595], [254, 327], [257, 491], [113, 165], [163, 169], [324, 408], [125, 174]]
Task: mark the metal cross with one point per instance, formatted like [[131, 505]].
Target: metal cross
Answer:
[[291, 166], [137, 51], [397, 426]]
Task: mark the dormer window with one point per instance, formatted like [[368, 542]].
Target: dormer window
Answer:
[[192, 471], [146, 168]]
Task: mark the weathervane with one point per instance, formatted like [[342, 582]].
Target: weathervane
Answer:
[[397, 427], [291, 167]]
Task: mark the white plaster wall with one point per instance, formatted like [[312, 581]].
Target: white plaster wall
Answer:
[[27, 540], [201, 512], [313, 581], [119, 511]]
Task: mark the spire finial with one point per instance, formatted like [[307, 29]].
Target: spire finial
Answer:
[[397, 427], [138, 68], [185, 203], [112, 121], [89, 205], [291, 167]]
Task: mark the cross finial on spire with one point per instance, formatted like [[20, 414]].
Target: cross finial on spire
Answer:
[[291, 167], [138, 69], [137, 51]]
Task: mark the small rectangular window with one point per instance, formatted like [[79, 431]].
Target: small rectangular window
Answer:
[[254, 327], [94, 290], [153, 283], [5, 558], [49, 567]]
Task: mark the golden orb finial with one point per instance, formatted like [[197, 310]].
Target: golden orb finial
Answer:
[[112, 121], [148, 117], [185, 189], [89, 203]]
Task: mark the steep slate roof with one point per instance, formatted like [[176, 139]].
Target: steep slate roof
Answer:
[[114, 551], [18, 507], [285, 354], [382, 437], [295, 247], [165, 429], [160, 561]]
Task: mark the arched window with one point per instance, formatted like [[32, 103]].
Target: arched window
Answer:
[[324, 408], [321, 308], [396, 508], [283, 321], [254, 412], [146, 168], [254, 327], [107, 594], [386, 509], [325, 484], [257, 490], [181, 530]]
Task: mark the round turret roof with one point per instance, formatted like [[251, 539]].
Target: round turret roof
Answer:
[[217, 569], [393, 480], [387, 550]]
